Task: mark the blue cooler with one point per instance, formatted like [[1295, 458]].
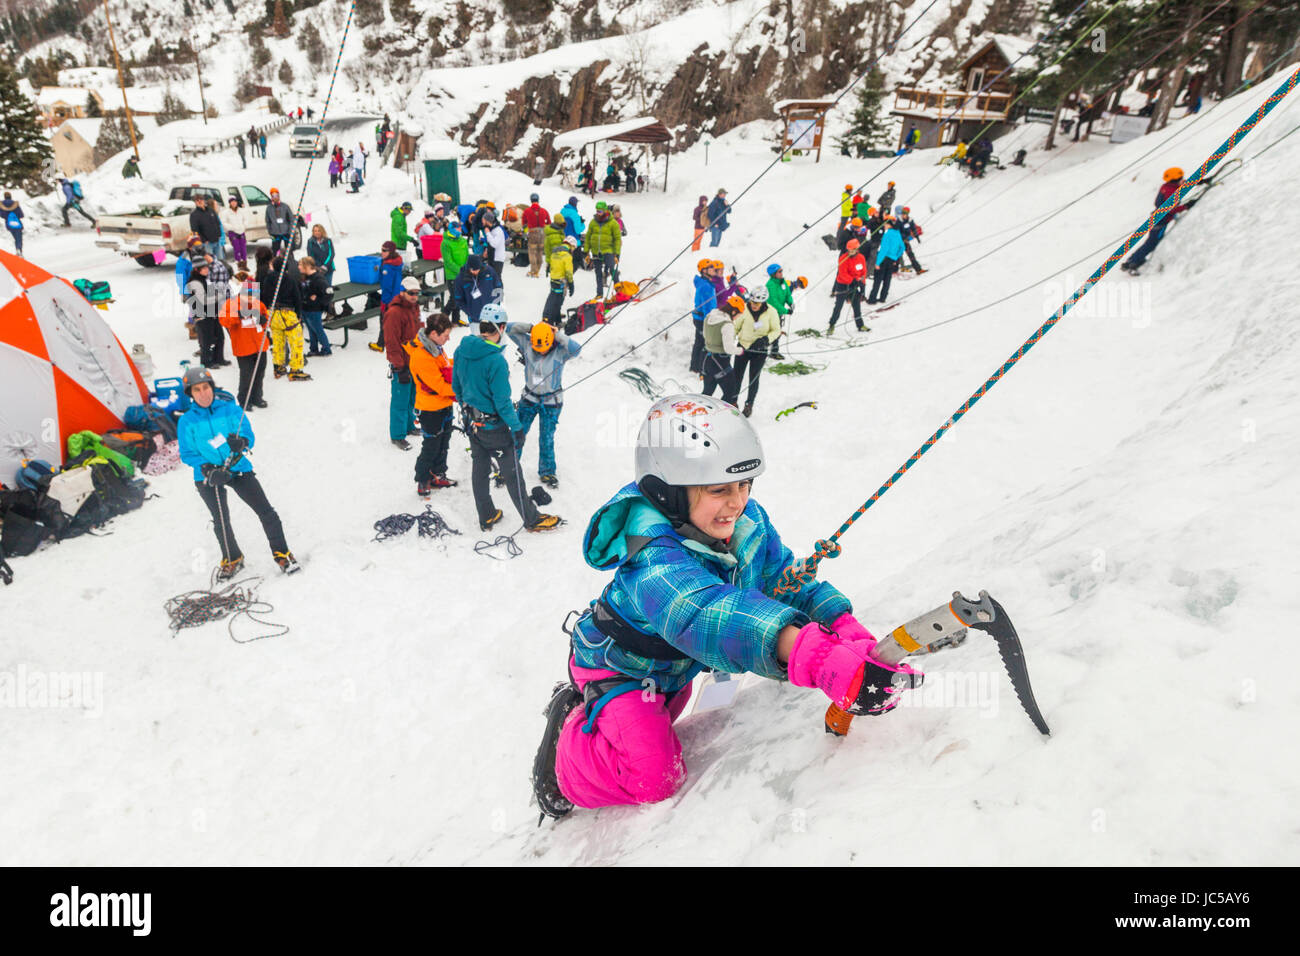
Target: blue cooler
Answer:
[[169, 395], [363, 269]]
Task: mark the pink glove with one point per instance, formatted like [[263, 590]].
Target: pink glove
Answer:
[[845, 672], [848, 628]]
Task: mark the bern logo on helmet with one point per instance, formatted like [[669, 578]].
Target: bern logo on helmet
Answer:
[[740, 466]]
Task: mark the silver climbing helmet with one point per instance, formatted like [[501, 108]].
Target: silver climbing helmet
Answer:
[[196, 375], [757, 294], [693, 440]]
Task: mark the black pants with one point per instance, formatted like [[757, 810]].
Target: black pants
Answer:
[[911, 256], [436, 429], [554, 309], [499, 267], [212, 341], [852, 292], [252, 369], [75, 205], [697, 350], [485, 444], [718, 373], [603, 264], [753, 360], [250, 493], [880, 285]]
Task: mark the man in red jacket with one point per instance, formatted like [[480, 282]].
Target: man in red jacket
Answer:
[[1173, 180], [850, 282], [536, 219], [401, 323]]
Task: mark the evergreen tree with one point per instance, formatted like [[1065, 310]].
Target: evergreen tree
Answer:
[[869, 128], [172, 109], [113, 137], [26, 161], [92, 107], [312, 46], [286, 73]]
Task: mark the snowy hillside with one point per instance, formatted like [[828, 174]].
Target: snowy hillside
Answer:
[[1127, 492]]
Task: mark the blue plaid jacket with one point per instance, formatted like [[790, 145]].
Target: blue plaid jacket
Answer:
[[716, 608]]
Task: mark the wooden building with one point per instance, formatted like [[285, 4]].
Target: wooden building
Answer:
[[985, 96]]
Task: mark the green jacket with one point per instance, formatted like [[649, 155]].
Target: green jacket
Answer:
[[603, 236], [454, 253], [560, 265], [552, 236], [779, 295], [862, 210], [89, 441], [401, 238]]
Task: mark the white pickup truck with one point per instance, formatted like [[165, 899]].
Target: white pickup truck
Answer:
[[165, 223]]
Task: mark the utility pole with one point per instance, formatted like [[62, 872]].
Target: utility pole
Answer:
[[198, 64], [121, 82]]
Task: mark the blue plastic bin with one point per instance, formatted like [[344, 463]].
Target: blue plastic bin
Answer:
[[363, 269]]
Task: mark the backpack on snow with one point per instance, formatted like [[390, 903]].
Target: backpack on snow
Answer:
[[94, 291], [113, 495], [148, 418], [76, 189], [137, 446], [34, 475]]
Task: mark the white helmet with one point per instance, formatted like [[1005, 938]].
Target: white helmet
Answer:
[[693, 440], [757, 294], [493, 314]]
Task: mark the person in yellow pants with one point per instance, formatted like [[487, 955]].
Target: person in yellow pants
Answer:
[[282, 294]]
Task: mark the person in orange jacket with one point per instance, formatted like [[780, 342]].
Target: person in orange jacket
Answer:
[[850, 282], [245, 319], [431, 374]]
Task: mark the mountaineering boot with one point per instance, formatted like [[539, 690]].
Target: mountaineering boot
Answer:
[[484, 525], [376, 347], [287, 562], [422, 489], [550, 481], [442, 481], [279, 370], [402, 443], [545, 523], [299, 376], [546, 787], [230, 568], [748, 409]]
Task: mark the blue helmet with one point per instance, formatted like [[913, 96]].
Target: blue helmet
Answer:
[[773, 269], [493, 314]]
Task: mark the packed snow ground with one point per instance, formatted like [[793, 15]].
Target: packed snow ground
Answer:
[[1127, 492]]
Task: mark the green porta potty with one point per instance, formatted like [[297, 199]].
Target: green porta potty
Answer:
[[441, 176]]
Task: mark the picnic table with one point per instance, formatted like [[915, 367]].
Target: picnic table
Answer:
[[427, 271]]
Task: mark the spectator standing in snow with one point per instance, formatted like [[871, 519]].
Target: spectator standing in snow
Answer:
[[205, 301], [629, 176], [604, 244], [700, 217], [401, 323], [240, 147], [455, 252], [317, 295], [261, 144], [398, 232], [321, 248], [720, 346], [431, 372], [718, 211], [757, 328], [908, 229], [887, 260], [245, 319], [887, 198], [476, 285], [233, 222], [13, 217], [536, 219], [279, 222], [207, 223], [494, 237], [573, 224], [131, 168], [335, 169]]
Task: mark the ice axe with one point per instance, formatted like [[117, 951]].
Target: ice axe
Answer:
[[944, 627]]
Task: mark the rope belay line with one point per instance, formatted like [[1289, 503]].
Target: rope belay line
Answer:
[[804, 572]]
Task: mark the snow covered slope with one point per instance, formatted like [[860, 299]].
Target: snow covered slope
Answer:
[[1127, 492]]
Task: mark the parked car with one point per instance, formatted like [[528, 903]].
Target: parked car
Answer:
[[165, 223], [308, 140]]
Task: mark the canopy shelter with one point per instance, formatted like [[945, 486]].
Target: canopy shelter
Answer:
[[645, 131]]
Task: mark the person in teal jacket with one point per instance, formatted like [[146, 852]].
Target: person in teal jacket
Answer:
[[480, 378], [887, 260], [696, 561], [214, 437]]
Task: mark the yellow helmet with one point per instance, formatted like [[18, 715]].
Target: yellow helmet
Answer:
[[717, 264], [542, 336]]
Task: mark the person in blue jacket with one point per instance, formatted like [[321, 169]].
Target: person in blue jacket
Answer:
[[13, 217], [475, 286], [213, 437], [480, 379], [545, 349], [573, 224], [696, 562], [887, 260], [706, 294], [718, 211]]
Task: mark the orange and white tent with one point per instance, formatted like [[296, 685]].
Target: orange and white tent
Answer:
[[62, 370]]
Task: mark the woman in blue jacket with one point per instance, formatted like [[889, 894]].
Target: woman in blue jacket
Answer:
[[696, 562], [213, 437], [887, 259]]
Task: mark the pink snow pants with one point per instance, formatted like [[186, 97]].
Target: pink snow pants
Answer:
[[632, 755]]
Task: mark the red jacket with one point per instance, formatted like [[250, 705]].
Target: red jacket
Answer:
[[1167, 190], [401, 322], [852, 269], [535, 217]]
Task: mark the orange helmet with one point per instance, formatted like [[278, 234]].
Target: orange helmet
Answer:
[[852, 245], [1172, 173], [736, 302], [855, 222], [872, 210], [717, 264], [703, 264], [542, 336], [892, 184], [848, 188]]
